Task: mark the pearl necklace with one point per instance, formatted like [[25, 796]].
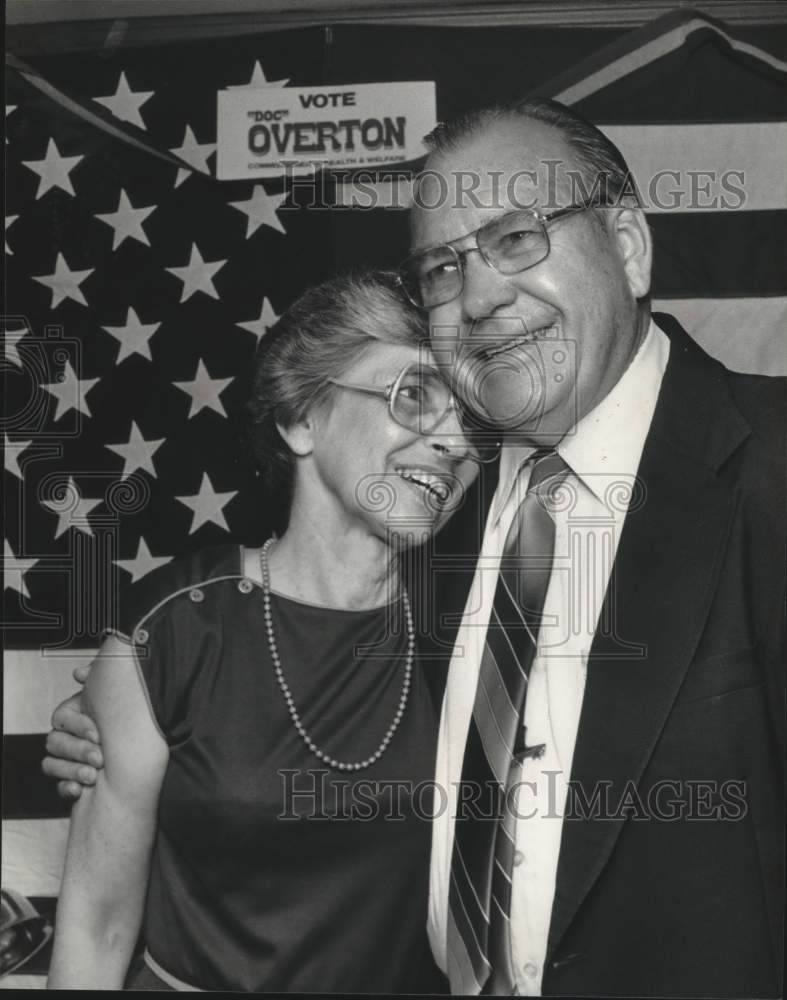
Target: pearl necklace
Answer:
[[289, 701]]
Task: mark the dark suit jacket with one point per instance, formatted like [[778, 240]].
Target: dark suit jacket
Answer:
[[670, 879]]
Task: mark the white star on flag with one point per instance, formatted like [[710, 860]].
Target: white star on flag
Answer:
[[204, 391], [133, 337], [53, 170], [70, 392], [261, 210], [142, 563], [64, 283], [260, 325], [125, 102], [197, 275], [207, 505], [127, 221], [8, 109], [258, 80], [9, 221], [72, 509], [195, 153], [10, 340], [14, 569], [13, 449], [137, 453]]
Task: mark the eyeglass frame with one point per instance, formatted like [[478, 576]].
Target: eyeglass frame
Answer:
[[389, 393], [544, 218]]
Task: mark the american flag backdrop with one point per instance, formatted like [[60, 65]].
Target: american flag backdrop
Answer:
[[138, 287]]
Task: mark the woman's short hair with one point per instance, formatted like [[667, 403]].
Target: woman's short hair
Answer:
[[319, 337]]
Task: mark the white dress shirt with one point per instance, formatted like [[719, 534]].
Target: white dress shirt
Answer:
[[603, 454]]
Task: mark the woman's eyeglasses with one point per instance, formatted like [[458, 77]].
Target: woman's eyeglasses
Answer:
[[420, 399]]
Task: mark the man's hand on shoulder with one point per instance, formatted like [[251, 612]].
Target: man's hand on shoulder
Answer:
[[73, 746]]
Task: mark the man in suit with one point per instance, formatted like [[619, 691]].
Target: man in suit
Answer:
[[648, 835], [645, 820]]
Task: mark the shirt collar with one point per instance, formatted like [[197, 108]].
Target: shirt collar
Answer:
[[607, 441]]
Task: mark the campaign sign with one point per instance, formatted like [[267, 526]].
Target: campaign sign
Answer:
[[295, 130]]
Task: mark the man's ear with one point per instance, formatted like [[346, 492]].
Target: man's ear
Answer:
[[635, 244], [299, 436]]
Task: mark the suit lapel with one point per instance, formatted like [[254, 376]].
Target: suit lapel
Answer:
[[656, 605], [454, 554], [440, 575]]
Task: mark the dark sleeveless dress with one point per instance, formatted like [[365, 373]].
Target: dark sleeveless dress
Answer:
[[271, 872]]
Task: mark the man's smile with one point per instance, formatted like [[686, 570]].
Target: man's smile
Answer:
[[518, 341]]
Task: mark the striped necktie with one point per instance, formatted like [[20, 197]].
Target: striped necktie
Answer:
[[481, 865]]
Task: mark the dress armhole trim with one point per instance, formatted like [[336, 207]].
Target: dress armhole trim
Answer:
[[146, 692], [119, 635], [134, 639], [129, 641]]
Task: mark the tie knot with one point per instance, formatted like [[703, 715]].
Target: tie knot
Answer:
[[548, 467]]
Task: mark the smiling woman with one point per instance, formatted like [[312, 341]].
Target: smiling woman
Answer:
[[357, 333], [249, 688]]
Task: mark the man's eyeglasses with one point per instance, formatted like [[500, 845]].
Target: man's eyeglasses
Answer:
[[509, 244]]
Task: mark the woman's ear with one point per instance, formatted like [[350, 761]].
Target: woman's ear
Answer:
[[631, 230], [299, 436]]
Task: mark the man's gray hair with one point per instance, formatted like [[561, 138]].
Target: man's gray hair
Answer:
[[605, 175]]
